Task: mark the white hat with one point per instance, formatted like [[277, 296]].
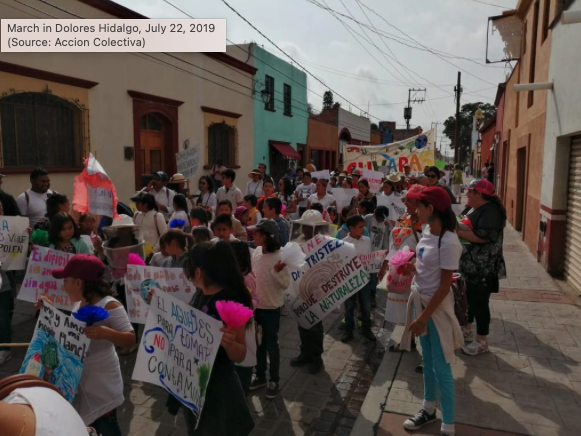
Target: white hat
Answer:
[[123, 221], [393, 177], [311, 218]]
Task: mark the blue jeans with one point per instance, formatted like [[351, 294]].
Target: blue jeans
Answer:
[[6, 311], [438, 374], [107, 425], [364, 298], [269, 320]]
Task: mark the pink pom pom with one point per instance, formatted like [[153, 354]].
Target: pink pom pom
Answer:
[[135, 259], [233, 314]]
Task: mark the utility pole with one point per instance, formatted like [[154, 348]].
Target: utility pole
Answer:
[[407, 111], [458, 91], [435, 125]]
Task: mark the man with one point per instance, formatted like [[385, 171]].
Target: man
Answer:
[[407, 170], [271, 210], [217, 172], [32, 202], [289, 174], [8, 202], [355, 176], [163, 195], [265, 177], [229, 191]]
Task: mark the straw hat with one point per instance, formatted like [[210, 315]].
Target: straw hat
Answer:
[[178, 178], [255, 172], [311, 218], [393, 177]]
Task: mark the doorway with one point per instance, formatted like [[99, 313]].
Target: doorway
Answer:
[[151, 132], [521, 188]]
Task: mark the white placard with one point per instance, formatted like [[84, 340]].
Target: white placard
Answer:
[[100, 201], [188, 161], [13, 242], [324, 174], [375, 178]]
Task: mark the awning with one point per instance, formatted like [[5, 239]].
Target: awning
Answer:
[[286, 150]]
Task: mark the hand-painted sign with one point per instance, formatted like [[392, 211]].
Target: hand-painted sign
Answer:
[[57, 350], [371, 262], [374, 178], [188, 161], [394, 204], [100, 201], [13, 242]]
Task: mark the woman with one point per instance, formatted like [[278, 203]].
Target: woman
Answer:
[[254, 186], [433, 175], [321, 196], [205, 268], [181, 213], [482, 263], [151, 221], [205, 198], [286, 195], [364, 194], [431, 308]]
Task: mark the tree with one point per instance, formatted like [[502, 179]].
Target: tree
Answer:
[[374, 127], [327, 100], [466, 117], [311, 110]]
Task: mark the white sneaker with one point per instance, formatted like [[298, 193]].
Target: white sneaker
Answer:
[[475, 348], [5, 356], [469, 335]]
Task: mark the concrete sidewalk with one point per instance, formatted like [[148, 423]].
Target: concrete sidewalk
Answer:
[[529, 383]]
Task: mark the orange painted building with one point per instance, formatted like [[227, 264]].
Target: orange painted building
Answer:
[[322, 144]]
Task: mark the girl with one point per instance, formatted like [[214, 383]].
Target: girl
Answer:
[[57, 203], [482, 263], [321, 196], [159, 258], [176, 244], [199, 217], [86, 228], [272, 278], [438, 256], [152, 223], [201, 234], [180, 206], [268, 192], [205, 198], [64, 235], [333, 215], [286, 195], [225, 409], [364, 194], [101, 387]]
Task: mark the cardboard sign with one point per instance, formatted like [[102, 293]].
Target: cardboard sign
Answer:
[[344, 197], [324, 174], [375, 178], [100, 201], [394, 204], [57, 351], [13, 242], [188, 161], [39, 281], [372, 262], [139, 280], [332, 273], [178, 349]]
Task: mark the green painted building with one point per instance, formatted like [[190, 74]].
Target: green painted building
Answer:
[[280, 124]]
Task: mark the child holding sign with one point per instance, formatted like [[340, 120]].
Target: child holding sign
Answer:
[[64, 235], [101, 387]]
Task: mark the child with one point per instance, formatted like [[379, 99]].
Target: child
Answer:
[[151, 221], [199, 217], [356, 225], [180, 206], [201, 234], [348, 211], [86, 227], [250, 202], [64, 235], [159, 258], [225, 408], [304, 191], [272, 279], [222, 228], [101, 387], [177, 244], [57, 203], [379, 228], [365, 207], [246, 367], [333, 215], [272, 208], [225, 208]]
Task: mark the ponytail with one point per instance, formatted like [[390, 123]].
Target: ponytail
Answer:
[[496, 202]]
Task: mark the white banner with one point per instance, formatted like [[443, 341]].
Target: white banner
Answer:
[[13, 242], [188, 161], [332, 273], [375, 178], [178, 349], [139, 280], [394, 204]]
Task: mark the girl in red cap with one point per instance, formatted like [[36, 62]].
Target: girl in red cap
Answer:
[[101, 387], [431, 306], [482, 264]]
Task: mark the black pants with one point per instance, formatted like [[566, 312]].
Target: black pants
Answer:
[[478, 295], [269, 320], [6, 312], [312, 342], [245, 376], [107, 425]]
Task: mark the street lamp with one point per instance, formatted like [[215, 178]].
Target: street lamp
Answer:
[[265, 95]]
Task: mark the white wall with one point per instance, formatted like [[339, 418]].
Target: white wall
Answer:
[[359, 127]]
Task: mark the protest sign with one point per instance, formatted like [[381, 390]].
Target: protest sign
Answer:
[[39, 281], [332, 272], [371, 262], [100, 201], [13, 242], [394, 204], [188, 161], [57, 350], [93, 191], [178, 350], [375, 178], [324, 174], [344, 197], [139, 280]]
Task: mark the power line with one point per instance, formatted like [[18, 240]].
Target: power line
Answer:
[[490, 4]]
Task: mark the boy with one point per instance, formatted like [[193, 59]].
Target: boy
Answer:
[[272, 209], [229, 191], [225, 208], [222, 228], [356, 225], [304, 191], [250, 202], [379, 228]]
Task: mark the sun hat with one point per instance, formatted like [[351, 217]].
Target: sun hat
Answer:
[[435, 195], [255, 172], [178, 178], [81, 266], [483, 186], [267, 225], [356, 173], [311, 218], [393, 177]]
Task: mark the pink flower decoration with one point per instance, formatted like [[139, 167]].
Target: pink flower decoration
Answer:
[[233, 314], [135, 259]]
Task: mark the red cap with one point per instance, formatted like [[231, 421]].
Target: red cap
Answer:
[[81, 266], [483, 186], [436, 196]]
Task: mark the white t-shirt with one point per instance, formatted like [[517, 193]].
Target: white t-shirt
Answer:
[[362, 245], [305, 191], [35, 207], [254, 188], [181, 215], [431, 260], [326, 201], [54, 415], [233, 194], [165, 198]]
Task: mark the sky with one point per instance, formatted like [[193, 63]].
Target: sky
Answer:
[[372, 72]]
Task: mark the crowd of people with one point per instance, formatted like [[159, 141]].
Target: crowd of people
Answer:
[[228, 239]]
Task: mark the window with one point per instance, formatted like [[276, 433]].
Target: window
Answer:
[[221, 144], [287, 100], [151, 122], [546, 14], [269, 82], [40, 129]]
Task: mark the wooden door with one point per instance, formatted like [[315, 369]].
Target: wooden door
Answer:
[[152, 144]]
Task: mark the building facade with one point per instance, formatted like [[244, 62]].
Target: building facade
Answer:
[[134, 112], [322, 144]]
